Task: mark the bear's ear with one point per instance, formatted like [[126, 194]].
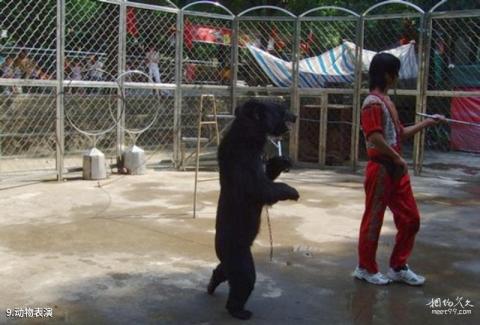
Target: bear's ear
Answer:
[[251, 110]]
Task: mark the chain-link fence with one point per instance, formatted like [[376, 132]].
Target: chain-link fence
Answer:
[[27, 117], [206, 76], [402, 29], [453, 90], [327, 48], [151, 43], [271, 34], [118, 73], [90, 58]]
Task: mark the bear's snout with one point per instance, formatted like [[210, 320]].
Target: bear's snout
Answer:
[[290, 117]]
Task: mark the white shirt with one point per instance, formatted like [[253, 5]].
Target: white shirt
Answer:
[[153, 57]]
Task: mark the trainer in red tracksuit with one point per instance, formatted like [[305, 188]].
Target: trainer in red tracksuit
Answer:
[[385, 187]]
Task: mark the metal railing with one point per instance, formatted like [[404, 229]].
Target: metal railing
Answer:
[[61, 60]]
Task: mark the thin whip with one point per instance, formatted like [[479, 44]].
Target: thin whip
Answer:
[[451, 120]]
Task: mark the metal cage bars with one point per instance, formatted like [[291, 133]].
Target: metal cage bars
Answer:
[[233, 90]]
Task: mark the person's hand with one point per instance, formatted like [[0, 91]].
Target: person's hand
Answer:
[[436, 119], [399, 161]]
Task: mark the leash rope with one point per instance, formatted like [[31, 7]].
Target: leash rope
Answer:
[[270, 233], [277, 145]]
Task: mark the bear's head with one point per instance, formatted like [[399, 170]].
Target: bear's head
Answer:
[[273, 118]]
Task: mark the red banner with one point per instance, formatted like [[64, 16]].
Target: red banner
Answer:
[[206, 34], [132, 22], [465, 137]]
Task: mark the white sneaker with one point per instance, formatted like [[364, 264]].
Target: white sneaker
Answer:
[[407, 276], [373, 278]]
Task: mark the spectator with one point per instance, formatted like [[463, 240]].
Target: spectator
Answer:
[[76, 70], [20, 63], [95, 69], [67, 67], [11, 70], [188, 34], [33, 72], [441, 61], [42, 75], [153, 59], [409, 34], [172, 38], [257, 42], [8, 71], [26, 67], [270, 45]]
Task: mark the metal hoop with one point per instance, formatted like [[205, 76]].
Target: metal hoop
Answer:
[[133, 133], [77, 128]]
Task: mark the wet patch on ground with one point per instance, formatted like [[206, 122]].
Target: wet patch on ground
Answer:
[[124, 258]]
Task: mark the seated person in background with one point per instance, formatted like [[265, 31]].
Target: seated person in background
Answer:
[[25, 66], [42, 75], [8, 69], [76, 70], [95, 69]]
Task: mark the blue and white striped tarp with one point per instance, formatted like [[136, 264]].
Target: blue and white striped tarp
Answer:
[[334, 66]]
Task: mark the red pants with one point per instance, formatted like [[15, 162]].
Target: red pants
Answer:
[[382, 191]]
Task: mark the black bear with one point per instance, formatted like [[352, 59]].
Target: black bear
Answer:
[[246, 186]]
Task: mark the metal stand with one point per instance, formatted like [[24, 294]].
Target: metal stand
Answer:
[[134, 160], [94, 166]]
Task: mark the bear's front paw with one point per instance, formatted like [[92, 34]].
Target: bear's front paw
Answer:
[[289, 193], [280, 163], [294, 195], [277, 165]]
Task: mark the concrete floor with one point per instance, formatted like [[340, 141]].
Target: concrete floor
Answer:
[[128, 252]]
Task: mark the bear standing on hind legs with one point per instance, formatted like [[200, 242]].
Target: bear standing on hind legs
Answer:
[[245, 188]]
